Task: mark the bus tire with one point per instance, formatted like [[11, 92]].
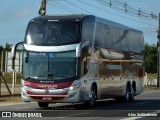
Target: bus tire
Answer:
[[126, 97], [43, 104], [91, 102]]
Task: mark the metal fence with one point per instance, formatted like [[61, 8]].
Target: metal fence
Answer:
[[9, 78], [7, 64]]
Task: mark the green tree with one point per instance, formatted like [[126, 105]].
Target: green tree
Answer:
[[8, 47], [150, 58]]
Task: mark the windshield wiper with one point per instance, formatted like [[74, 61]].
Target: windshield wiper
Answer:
[[26, 78], [62, 76]]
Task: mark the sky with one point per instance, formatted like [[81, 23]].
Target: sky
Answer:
[[15, 15]]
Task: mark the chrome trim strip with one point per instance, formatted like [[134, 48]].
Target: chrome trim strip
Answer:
[[51, 48], [47, 95], [80, 46], [51, 91]]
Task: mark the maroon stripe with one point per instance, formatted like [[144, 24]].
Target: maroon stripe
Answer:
[[45, 98], [33, 93], [43, 85]]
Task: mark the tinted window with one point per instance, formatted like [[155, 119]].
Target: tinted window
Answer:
[[49, 66], [52, 33], [87, 31]]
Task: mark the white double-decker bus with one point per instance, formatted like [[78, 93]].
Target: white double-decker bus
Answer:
[[80, 58]]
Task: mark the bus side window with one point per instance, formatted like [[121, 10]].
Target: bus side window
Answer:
[[87, 32], [99, 36]]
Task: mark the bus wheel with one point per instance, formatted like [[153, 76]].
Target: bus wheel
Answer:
[[126, 98], [43, 104], [91, 102], [131, 98]]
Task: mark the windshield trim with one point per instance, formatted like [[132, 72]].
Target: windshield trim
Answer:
[[62, 48]]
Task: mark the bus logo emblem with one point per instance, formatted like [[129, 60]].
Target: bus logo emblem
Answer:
[[51, 55], [46, 91]]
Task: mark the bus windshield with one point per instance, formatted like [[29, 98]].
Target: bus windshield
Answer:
[[49, 66], [52, 33]]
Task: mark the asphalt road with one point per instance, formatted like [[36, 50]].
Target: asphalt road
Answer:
[[148, 103]]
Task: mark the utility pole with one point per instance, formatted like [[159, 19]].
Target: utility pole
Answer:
[[158, 56], [42, 8]]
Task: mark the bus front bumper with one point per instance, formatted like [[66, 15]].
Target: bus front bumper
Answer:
[[57, 95]]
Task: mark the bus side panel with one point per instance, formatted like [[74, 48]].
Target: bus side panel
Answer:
[[121, 53]]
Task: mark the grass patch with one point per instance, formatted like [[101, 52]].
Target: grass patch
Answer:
[[152, 76], [9, 99], [8, 77], [146, 88]]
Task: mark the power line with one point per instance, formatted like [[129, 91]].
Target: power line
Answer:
[[77, 6], [61, 6], [125, 8], [55, 7], [128, 9], [118, 6], [114, 13]]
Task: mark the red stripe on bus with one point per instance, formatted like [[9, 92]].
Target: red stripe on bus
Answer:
[[34, 93], [44, 85]]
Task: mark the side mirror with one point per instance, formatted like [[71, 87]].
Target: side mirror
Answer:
[[14, 48], [13, 51], [79, 48]]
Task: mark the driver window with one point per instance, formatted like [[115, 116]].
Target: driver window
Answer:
[[67, 33]]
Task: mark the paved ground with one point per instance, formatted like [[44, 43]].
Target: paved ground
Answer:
[[145, 104]]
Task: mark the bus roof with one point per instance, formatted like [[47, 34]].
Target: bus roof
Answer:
[[82, 17]]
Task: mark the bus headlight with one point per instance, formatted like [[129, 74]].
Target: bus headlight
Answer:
[[71, 88], [75, 85]]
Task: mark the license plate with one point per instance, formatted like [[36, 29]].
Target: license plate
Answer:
[[47, 98]]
